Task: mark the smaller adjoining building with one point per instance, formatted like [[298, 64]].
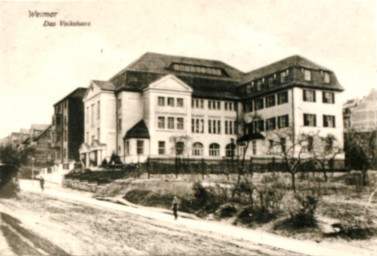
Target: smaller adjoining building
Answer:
[[68, 127]]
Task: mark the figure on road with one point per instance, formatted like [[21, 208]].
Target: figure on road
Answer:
[[175, 207], [41, 182]]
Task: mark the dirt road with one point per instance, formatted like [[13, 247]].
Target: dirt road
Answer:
[[38, 224]]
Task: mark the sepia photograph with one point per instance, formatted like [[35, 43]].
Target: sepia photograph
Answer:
[[203, 127]]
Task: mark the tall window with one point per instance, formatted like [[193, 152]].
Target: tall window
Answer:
[[171, 102], [161, 147], [98, 110], [307, 75], [310, 120], [214, 126], [309, 95], [283, 121], [328, 121], [179, 102], [161, 122], [180, 123], [92, 115], [214, 104], [214, 149], [197, 125], [170, 122], [161, 101], [271, 124], [283, 97], [127, 147], [328, 97], [140, 147], [197, 149], [259, 104], [270, 101], [197, 103], [228, 105], [229, 127]]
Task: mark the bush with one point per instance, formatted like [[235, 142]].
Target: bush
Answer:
[[205, 199], [353, 178], [355, 228]]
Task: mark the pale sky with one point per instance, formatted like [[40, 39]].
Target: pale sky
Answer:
[[41, 65]]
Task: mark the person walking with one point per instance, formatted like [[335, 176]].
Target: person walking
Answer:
[[175, 207], [41, 182]]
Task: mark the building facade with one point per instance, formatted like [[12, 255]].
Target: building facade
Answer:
[[161, 107], [68, 127]]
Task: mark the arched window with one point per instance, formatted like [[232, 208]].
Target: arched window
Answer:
[[197, 149], [179, 147], [230, 150], [214, 149]]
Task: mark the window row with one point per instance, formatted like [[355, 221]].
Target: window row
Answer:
[[172, 122], [198, 69], [281, 77], [170, 101], [213, 104], [311, 120], [214, 126], [268, 124], [310, 96], [266, 102]]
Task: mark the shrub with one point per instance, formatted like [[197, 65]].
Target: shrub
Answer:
[[355, 228], [353, 178]]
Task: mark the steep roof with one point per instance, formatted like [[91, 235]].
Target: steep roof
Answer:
[[42, 133], [105, 85], [292, 61], [160, 63], [77, 93], [138, 131]]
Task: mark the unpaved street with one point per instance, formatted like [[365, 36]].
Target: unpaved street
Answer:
[[57, 226]]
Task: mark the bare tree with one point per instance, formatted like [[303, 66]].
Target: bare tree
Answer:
[[324, 149], [290, 148]]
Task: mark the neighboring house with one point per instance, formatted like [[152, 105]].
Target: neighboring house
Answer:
[[163, 106], [348, 108], [68, 127], [362, 115]]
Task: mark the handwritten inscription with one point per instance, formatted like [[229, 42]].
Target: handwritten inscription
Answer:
[[53, 23]]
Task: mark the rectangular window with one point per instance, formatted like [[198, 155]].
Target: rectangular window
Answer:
[[197, 126], [127, 147], [201, 104], [161, 122], [328, 121], [259, 104], [180, 102], [270, 81], [226, 127], [283, 121], [307, 75], [259, 85], [98, 110], [283, 97], [140, 147], [310, 120], [271, 124], [161, 147], [326, 77], [180, 123], [119, 124], [248, 88], [270, 101], [92, 115], [214, 126], [283, 77], [309, 95], [209, 126], [170, 122], [225, 105], [254, 147], [161, 101], [218, 126], [328, 97], [171, 102]]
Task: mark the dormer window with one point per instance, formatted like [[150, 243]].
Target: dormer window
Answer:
[[326, 77], [198, 69], [270, 81], [283, 76], [307, 75], [259, 85]]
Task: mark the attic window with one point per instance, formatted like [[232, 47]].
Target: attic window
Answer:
[[326, 77], [198, 69]]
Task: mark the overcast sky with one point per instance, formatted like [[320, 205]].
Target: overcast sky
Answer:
[[40, 65]]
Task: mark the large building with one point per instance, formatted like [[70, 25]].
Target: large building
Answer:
[[162, 106], [68, 127]]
